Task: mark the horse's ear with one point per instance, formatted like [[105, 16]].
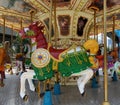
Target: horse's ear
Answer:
[[40, 25]]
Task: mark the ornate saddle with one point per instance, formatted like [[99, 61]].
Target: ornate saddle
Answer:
[[55, 53]]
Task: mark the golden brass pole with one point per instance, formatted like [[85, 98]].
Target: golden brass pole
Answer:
[[103, 31], [31, 14], [105, 60], [113, 34], [50, 21], [94, 23], [95, 9], [56, 34], [11, 34], [3, 29], [38, 89], [97, 32], [55, 23], [21, 23], [21, 26]]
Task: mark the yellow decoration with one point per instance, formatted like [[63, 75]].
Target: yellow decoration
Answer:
[[8, 66], [94, 62], [55, 65]]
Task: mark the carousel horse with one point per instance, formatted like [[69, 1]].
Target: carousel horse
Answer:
[[116, 69], [73, 61], [4, 58], [22, 53], [2, 68], [111, 58]]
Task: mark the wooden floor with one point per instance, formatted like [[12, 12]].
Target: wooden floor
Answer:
[[9, 94]]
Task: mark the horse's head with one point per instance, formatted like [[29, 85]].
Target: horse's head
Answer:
[[92, 46], [35, 30], [32, 30]]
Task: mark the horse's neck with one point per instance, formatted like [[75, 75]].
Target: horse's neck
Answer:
[[41, 41]]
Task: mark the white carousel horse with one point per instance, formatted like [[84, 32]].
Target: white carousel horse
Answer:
[[20, 57], [84, 74], [17, 67], [116, 68], [43, 60]]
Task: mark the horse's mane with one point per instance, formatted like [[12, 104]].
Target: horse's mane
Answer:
[[91, 45]]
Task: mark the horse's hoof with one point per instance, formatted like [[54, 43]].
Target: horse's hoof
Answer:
[[17, 73], [25, 98], [36, 90], [51, 88], [42, 94], [2, 85], [83, 94]]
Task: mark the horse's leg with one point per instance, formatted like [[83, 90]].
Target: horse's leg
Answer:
[[26, 75], [31, 85], [21, 65], [2, 78], [4, 74], [17, 67], [83, 79], [112, 72]]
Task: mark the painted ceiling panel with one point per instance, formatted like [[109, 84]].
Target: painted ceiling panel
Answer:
[[60, 3], [110, 3], [17, 5], [14, 10]]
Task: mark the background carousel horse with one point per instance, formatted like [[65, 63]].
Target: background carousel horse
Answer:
[[116, 70], [110, 63], [21, 54], [4, 58], [70, 62]]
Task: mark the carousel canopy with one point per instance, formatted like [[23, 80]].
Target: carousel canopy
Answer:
[[74, 18]]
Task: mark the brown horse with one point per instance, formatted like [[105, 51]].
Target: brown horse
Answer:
[[2, 62], [4, 58]]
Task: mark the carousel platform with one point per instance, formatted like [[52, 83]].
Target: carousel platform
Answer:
[[9, 94]]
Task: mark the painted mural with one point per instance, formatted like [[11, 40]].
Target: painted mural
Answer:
[[80, 25], [18, 5], [64, 24]]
